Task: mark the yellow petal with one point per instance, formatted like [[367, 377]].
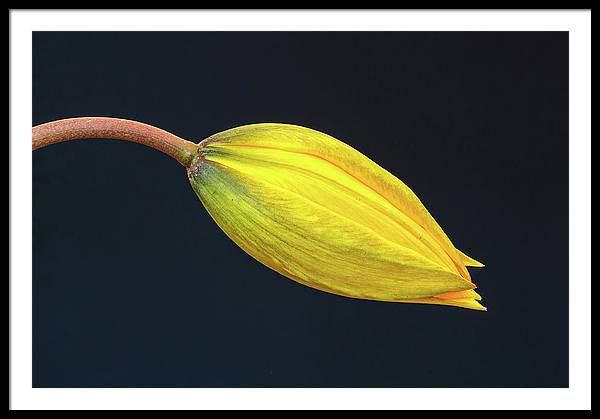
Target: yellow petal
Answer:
[[459, 302], [321, 213], [468, 261], [459, 295]]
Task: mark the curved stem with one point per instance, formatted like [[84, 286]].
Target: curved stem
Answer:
[[116, 129]]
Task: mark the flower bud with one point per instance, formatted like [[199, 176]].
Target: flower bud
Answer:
[[321, 213]]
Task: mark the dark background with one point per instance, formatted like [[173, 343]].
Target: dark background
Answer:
[[135, 285]]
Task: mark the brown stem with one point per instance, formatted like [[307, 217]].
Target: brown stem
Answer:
[[117, 129]]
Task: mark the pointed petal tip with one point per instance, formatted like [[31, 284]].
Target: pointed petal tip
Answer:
[[469, 261], [471, 303], [475, 305]]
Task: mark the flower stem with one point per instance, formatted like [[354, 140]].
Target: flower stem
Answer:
[[116, 129]]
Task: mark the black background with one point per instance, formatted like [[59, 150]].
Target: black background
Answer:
[[135, 285]]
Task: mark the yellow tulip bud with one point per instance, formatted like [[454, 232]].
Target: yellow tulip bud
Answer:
[[321, 213]]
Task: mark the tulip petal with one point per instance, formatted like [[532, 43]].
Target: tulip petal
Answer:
[[319, 181], [458, 302], [310, 243], [468, 261], [312, 142]]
